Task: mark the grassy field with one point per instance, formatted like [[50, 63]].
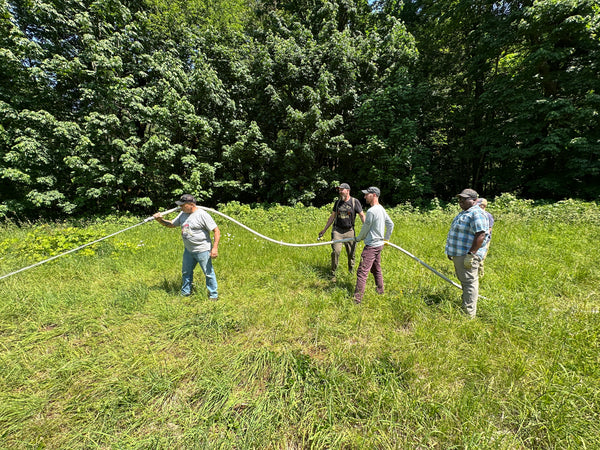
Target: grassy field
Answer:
[[98, 350]]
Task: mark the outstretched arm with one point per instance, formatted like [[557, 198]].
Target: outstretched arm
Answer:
[[159, 218], [329, 222]]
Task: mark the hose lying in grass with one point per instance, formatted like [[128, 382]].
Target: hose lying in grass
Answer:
[[330, 242], [83, 246], [241, 225]]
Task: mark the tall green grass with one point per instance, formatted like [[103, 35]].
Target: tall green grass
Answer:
[[98, 350]]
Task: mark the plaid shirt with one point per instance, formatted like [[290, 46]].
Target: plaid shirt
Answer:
[[463, 229]]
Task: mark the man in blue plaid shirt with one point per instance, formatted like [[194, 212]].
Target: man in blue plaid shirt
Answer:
[[465, 246]]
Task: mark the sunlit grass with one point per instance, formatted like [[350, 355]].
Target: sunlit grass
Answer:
[[99, 350]]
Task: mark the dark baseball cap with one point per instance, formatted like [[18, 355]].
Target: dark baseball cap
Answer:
[[468, 193], [372, 190], [186, 198], [344, 186]]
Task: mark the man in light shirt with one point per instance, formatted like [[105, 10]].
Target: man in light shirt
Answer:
[[376, 232], [196, 225]]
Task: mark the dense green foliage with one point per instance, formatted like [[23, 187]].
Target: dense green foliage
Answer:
[[515, 93], [100, 351], [109, 105]]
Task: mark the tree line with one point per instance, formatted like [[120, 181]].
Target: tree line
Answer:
[[110, 105]]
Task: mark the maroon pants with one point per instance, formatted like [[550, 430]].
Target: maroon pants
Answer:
[[370, 261]]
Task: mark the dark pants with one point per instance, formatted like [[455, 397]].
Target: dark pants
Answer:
[[370, 261]]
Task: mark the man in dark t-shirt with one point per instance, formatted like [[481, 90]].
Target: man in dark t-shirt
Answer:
[[343, 217]]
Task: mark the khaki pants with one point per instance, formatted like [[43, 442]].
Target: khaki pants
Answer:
[[337, 249], [469, 280]]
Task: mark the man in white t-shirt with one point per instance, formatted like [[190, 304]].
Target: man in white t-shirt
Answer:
[[196, 225], [376, 232]]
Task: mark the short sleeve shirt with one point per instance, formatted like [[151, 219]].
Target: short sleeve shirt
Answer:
[[195, 230], [346, 212], [463, 230]]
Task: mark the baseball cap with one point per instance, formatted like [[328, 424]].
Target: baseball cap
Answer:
[[468, 193], [372, 190], [344, 186], [186, 198]]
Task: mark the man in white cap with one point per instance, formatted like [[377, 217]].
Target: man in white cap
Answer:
[[376, 232], [465, 246], [196, 225], [343, 218]]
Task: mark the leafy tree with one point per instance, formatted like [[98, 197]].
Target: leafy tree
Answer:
[[174, 19], [545, 140], [124, 116], [511, 90], [317, 64], [122, 105], [387, 119], [110, 126]]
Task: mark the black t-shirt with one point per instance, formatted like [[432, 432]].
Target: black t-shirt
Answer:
[[346, 212]]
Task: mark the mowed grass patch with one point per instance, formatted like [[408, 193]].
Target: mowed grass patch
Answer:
[[99, 349]]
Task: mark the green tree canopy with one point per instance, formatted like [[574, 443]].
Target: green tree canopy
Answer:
[[111, 105]]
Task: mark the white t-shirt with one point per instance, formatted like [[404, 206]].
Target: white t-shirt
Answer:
[[195, 230]]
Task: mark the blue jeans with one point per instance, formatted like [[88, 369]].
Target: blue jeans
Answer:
[[187, 271]]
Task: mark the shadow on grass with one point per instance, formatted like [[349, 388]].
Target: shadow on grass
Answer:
[[323, 272], [344, 280], [171, 287], [435, 298], [346, 285]]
